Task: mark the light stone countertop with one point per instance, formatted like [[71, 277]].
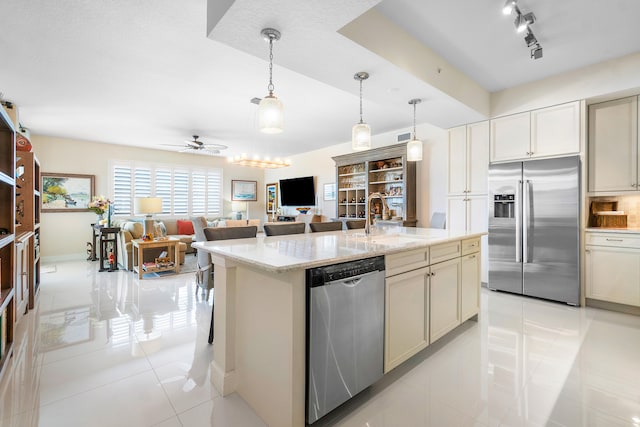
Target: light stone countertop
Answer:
[[301, 251]]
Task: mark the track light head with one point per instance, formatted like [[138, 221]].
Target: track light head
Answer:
[[522, 22], [509, 5], [536, 52], [530, 39]]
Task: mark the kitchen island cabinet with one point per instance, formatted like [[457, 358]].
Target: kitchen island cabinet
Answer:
[[260, 308]]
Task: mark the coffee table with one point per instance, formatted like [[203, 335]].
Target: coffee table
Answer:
[[138, 248]]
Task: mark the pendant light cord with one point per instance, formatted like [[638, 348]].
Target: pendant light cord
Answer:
[[270, 87], [361, 101], [414, 120]]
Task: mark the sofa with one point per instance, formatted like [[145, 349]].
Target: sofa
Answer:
[[134, 228]]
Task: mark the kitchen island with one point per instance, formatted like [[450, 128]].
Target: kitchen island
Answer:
[[432, 285]]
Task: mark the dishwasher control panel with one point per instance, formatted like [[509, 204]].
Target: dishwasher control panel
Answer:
[[321, 275]]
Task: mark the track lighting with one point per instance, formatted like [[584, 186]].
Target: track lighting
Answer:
[[509, 5], [536, 52], [522, 23]]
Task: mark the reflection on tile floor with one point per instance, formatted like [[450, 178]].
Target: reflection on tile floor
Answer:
[[105, 349]]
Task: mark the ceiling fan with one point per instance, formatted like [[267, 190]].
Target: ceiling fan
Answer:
[[199, 147]]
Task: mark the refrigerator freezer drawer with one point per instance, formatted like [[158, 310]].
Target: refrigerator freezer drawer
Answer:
[[613, 239]]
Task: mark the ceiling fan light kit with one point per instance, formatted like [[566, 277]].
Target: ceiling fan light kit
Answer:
[[270, 108], [199, 147]]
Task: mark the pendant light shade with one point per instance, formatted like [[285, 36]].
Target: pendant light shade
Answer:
[[361, 132], [270, 109], [271, 115], [414, 147]]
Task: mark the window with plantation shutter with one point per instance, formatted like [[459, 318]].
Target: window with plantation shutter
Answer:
[[184, 191]]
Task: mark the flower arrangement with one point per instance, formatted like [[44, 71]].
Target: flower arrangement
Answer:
[[303, 210], [99, 205]]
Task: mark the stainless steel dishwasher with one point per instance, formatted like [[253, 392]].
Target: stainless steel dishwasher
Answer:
[[345, 332]]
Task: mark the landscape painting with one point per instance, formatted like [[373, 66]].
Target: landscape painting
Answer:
[[66, 192]]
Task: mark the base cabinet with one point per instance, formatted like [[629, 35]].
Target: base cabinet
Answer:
[[444, 296], [469, 289], [21, 282], [613, 274], [407, 316]]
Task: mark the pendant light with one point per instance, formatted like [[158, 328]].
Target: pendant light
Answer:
[[270, 109], [414, 147], [361, 132]]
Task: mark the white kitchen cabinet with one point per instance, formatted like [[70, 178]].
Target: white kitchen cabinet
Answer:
[[444, 292], [613, 274], [469, 159], [612, 271], [613, 145], [511, 137], [545, 132], [406, 316], [555, 130], [470, 285], [470, 213]]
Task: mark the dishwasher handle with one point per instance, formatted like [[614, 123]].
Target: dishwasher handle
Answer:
[[352, 282]]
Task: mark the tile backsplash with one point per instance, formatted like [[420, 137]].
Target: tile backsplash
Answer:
[[629, 204]]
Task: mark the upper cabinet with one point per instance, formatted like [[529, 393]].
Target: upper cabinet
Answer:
[[468, 159], [613, 146], [384, 170], [546, 132]]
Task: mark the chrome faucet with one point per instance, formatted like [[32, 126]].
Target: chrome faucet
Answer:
[[385, 208]]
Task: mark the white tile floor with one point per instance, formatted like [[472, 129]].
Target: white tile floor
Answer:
[[105, 349]]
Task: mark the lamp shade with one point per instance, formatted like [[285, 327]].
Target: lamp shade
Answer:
[[148, 205], [414, 150], [270, 115], [361, 137]]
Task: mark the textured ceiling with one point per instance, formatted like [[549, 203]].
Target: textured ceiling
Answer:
[[147, 73]]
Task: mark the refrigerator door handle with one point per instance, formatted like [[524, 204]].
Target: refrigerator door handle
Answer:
[[526, 214], [518, 220]]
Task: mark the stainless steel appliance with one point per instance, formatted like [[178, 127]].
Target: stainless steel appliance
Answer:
[[534, 236], [345, 332]]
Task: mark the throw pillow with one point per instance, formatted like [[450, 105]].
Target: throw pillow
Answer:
[[185, 226], [135, 228]]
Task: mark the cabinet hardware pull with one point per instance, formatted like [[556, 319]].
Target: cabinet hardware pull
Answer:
[[472, 256], [587, 251], [433, 273], [614, 240]]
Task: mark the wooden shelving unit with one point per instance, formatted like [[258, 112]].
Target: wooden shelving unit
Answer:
[[28, 218], [384, 170], [7, 238]]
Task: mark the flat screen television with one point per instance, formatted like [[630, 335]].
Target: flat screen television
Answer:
[[297, 192]]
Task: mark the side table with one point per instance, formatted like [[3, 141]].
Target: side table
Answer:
[[138, 248], [108, 245]]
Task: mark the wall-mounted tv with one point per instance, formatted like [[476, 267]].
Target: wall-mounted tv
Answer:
[[298, 192]]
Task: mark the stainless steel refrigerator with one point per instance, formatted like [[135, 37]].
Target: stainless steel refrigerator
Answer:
[[534, 228]]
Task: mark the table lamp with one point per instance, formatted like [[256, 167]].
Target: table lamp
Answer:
[[238, 208], [148, 206]]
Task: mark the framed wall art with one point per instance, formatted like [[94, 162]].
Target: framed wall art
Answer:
[[66, 192], [272, 198], [244, 191]]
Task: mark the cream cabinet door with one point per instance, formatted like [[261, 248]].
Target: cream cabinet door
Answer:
[[444, 291], [555, 130], [406, 316], [469, 286], [457, 183], [457, 213], [478, 158], [510, 137], [613, 145], [613, 274]]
